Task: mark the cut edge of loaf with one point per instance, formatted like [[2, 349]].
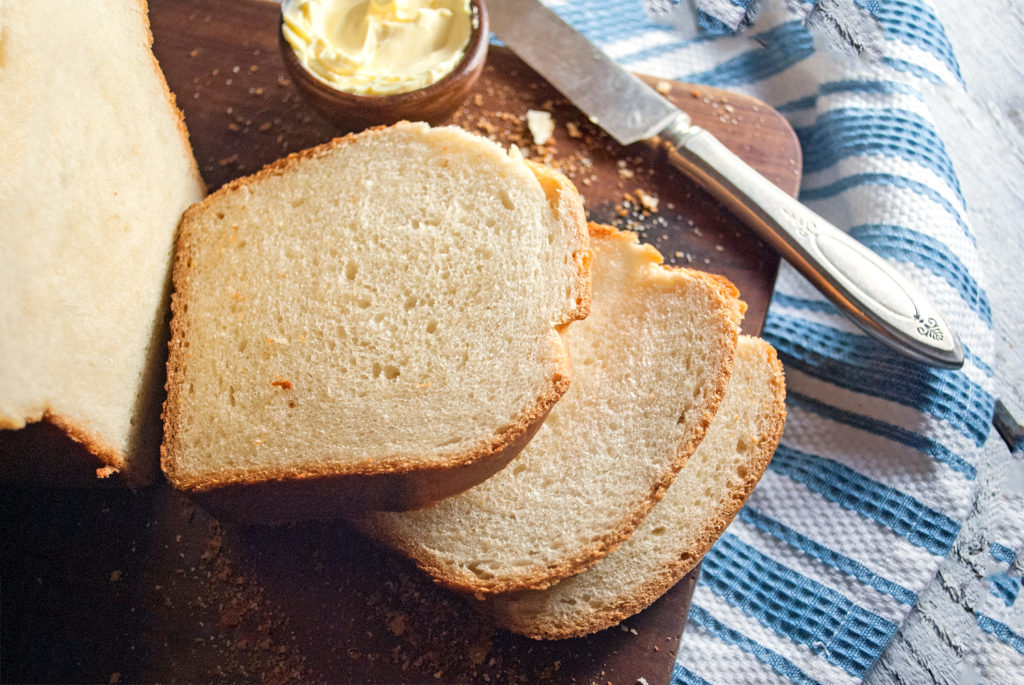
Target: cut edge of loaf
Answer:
[[130, 466], [465, 582], [536, 625], [286, 495]]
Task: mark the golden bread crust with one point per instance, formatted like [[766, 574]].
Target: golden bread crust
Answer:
[[570, 563], [399, 482], [684, 559]]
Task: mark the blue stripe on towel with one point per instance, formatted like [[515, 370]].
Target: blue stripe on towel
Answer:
[[868, 86], [889, 431], [784, 46], [805, 611], [879, 179], [928, 253], [1004, 587], [914, 70], [859, 363], [779, 663], [1001, 631], [714, 25], [1002, 552], [684, 676], [607, 21], [851, 567], [808, 102], [914, 23], [846, 132], [901, 513]]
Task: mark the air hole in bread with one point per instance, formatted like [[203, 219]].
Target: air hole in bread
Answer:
[[391, 372], [376, 369], [743, 446], [506, 200], [220, 215], [431, 326], [363, 302], [660, 530], [350, 271], [741, 470], [410, 302]]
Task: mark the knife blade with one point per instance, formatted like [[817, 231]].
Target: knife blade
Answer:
[[865, 287]]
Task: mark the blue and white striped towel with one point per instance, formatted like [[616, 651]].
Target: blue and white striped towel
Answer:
[[884, 462]]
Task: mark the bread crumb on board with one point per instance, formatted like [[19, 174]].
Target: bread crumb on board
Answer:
[[541, 126]]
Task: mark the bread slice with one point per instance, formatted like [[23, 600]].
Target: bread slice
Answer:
[[652, 362], [375, 322], [703, 499], [97, 170]]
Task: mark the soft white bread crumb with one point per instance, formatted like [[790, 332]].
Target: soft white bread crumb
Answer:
[[705, 496], [376, 322], [97, 171], [652, 361]]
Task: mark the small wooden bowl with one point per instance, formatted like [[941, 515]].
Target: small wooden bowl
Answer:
[[432, 104]]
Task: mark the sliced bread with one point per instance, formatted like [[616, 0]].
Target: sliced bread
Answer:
[[652, 362], [703, 499], [375, 322], [97, 170]]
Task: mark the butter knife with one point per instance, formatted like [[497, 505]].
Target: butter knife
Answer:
[[865, 287]]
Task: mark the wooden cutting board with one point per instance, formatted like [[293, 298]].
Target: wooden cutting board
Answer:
[[102, 585]]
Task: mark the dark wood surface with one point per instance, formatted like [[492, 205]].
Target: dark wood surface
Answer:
[[107, 585]]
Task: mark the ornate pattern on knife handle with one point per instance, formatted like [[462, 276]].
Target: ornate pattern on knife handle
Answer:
[[863, 285]]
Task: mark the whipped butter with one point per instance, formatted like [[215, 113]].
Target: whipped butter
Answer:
[[378, 47]]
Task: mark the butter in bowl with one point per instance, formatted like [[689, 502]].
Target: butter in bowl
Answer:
[[363, 63]]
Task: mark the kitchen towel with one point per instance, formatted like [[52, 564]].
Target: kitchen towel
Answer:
[[884, 543]]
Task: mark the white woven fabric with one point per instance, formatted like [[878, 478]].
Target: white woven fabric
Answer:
[[886, 471]]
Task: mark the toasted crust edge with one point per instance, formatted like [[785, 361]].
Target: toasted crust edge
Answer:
[[687, 558], [281, 495], [468, 583]]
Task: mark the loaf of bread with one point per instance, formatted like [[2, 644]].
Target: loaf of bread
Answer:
[[652, 362], [375, 322], [97, 170], [703, 499]]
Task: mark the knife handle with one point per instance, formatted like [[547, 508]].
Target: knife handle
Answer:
[[860, 283]]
